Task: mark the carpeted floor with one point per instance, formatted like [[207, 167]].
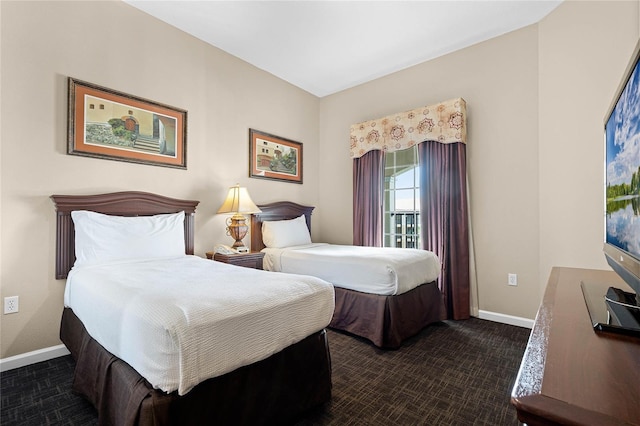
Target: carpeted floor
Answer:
[[452, 373]]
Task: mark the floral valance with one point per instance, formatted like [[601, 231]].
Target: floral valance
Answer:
[[445, 122]]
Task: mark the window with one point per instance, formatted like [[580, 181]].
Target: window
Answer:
[[402, 199]]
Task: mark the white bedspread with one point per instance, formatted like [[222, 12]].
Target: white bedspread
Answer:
[[378, 270], [181, 320]]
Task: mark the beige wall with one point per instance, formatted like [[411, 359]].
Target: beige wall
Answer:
[[114, 45], [498, 80], [536, 98], [584, 50]]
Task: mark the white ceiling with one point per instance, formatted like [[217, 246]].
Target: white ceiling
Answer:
[[327, 46]]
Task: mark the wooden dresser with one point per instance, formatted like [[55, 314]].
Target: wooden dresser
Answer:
[[569, 373]]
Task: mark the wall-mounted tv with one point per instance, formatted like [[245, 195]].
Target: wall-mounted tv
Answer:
[[619, 308]]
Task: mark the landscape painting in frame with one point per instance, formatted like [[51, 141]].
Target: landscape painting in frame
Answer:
[[104, 123], [273, 157]]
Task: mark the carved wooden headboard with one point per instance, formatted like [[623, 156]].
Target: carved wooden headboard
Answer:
[[280, 210], [128, 203]]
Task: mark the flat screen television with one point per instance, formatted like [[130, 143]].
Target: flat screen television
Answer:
[[618, 310]]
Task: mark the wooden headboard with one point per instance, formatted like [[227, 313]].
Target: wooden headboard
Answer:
[[129, 203], [280, 210]]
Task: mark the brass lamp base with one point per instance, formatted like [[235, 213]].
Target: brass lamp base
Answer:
[[237, 229]]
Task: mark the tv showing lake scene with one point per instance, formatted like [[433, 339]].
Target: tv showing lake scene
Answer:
[[622, 134]]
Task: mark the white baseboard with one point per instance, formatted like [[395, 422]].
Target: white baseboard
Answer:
[[505, 319], [45, 354], [28, 358]]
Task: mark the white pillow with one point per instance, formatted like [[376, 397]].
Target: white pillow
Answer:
[[285, 233], [102, 238]]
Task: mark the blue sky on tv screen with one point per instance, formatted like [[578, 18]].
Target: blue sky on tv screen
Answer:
[[623, 133]]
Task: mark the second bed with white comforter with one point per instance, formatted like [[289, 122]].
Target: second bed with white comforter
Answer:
[[376, 270]]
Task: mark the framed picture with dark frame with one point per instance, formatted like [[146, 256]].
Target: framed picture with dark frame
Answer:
[[104, 123], [273, 157]]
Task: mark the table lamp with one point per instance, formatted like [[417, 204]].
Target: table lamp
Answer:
[[239, 203]]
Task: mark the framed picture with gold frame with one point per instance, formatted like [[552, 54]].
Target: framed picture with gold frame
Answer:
[[104, 123], [274, 157]]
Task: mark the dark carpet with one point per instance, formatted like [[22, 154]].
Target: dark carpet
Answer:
[[452, 373]]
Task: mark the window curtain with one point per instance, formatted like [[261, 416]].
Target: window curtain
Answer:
[[368, 177], [444, 122], [444, 220], [440, 132]]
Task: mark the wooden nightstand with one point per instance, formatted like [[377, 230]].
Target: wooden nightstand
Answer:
[[248, 260]]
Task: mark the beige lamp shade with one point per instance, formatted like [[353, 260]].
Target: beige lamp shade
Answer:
[[238, 202]]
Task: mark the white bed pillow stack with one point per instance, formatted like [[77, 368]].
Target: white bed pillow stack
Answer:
[[285, 233], [103, 238]]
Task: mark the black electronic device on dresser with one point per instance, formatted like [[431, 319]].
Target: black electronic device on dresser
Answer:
[[618, 310]]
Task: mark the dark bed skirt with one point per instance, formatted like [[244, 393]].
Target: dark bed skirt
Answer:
[[276, 390], [388, 320]]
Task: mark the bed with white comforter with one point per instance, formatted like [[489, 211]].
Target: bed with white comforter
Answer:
[[376, 270], [385, 295], [160, 336], [181, 320]]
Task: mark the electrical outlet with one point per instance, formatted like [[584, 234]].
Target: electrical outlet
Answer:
[[11, 305], [512, 279]]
